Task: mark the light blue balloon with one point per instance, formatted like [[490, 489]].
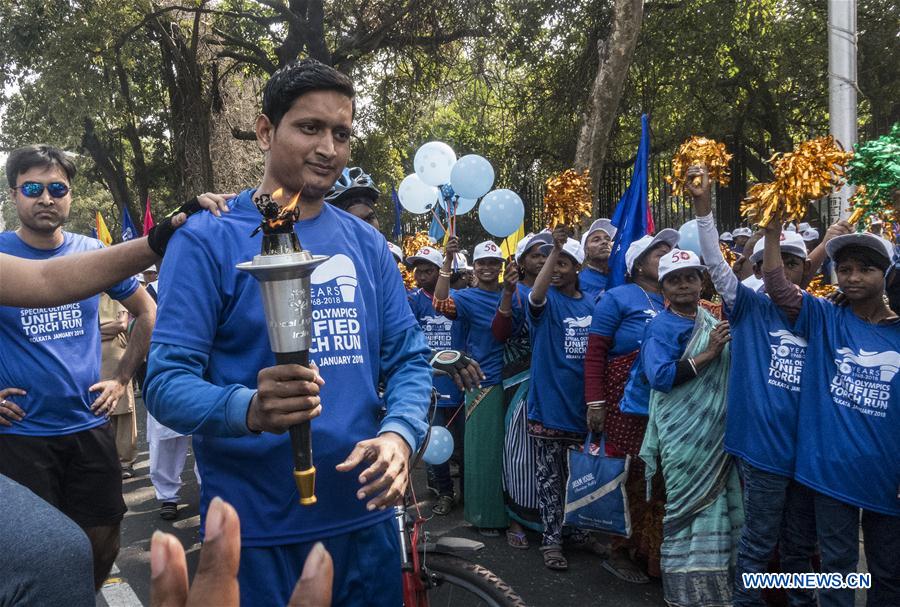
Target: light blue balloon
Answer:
[[690, 237], [440, 446], [501, 212], [463, 205], [472, 176]]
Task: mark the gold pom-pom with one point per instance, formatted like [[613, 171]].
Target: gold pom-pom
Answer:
[[699, 150], [729, 255], [813, 170], [567, 199], [411, 246], [819, 288]]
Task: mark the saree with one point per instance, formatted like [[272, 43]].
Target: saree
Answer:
[[624, 435], [519, 456], [704, 511], [483, 472]]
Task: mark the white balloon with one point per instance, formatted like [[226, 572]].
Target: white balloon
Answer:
[[433, 162], [415, 196]]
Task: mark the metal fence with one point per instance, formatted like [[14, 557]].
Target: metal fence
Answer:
[[668, 211]]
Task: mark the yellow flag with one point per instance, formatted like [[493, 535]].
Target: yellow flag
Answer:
[[103, 234], [508, 246]]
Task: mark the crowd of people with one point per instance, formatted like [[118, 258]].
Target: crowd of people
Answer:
[[758, 419]]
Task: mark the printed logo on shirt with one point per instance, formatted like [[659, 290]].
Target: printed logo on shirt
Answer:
[[786, 364], [863, 380], [46, 324], [437, 331], [576, 336], [336, 330]]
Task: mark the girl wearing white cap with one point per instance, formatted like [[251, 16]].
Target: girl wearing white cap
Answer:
[[559, 317], [763, 402], [615, 337], [597, 243], [849, 449], [475, 308], [510, 326], [685, 357]]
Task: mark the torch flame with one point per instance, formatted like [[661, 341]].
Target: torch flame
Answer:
[[288, 212]]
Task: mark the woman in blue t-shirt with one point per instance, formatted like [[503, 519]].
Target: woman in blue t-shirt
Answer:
[[559, 316], [849, 449], [483, 458], [617, 328], [686, 359]]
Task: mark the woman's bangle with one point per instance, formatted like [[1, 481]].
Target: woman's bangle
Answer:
[[504, 313], [597, 404], [445, 274], [693, 366]]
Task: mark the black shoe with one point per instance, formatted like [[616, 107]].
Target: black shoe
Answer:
[[168, 511], [127, 472]]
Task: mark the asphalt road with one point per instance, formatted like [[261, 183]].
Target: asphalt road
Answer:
[[585, 583]]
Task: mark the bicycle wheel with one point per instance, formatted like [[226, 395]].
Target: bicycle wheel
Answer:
[[457, 582]]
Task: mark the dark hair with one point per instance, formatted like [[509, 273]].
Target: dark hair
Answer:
[[296, 79], [344, 204], [863, 255], [22, 160]]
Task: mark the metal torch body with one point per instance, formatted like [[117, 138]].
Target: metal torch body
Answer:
[[283, 272]]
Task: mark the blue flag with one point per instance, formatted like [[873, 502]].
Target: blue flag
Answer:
[[398, 229], [436, 230], [632, 216], [128, 229]]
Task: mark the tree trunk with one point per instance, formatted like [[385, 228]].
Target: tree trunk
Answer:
[[190, 112], [616, 54], [110, 168]]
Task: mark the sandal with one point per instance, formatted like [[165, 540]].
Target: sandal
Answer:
[[488, 532], [591, 545], [444, 505], [554, 558], [625, 570], [517, 539]]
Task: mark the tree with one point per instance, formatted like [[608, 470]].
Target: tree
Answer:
[[615, 56]]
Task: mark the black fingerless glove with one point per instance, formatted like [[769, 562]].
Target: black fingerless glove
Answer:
[[450, 361], [159, 235]]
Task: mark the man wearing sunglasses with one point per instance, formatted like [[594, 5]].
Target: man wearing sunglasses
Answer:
[[55, 436]]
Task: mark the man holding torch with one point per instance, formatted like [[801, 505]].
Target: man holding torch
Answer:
[[212, 372]]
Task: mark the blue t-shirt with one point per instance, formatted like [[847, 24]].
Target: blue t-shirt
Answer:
[[358, 301], [559, 335], [623, 313], [441, 333], [592, 283], [53, 353], [475, 309], [520, 309], [764, 390], [848, 439], [664, 344]]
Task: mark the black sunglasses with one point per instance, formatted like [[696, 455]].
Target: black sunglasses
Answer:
[[34, 189]]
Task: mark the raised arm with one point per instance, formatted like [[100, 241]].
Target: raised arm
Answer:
[[783, 292], [538, 294], [724, 279], [817, 256], [30, 284]]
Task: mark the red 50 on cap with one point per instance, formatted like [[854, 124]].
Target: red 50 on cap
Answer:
[[487, 250], [678, 259]]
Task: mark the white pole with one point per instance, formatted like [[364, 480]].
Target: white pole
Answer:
[[842, 85]]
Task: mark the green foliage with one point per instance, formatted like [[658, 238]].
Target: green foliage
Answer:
[[508, 79]]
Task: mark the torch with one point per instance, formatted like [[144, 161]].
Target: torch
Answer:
[[283, 270]]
